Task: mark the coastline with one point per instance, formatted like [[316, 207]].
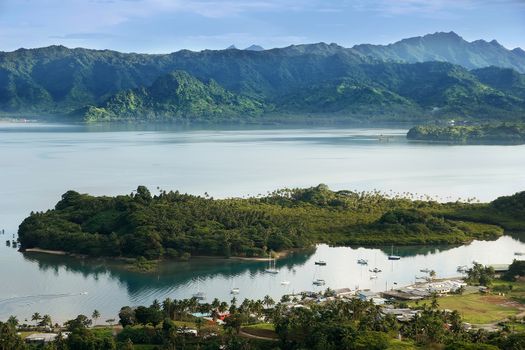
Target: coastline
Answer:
[[128, 263], [45, 251]]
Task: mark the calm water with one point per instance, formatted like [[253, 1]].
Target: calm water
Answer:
[[40, 162]]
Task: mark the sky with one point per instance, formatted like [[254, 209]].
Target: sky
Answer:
[[162, 26]]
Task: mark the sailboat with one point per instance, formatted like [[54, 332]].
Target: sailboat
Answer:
[[318, 281], [362, 261], [199, 295], [271, 265], [392, 256]]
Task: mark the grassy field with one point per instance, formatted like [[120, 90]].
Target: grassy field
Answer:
[[396, 344], [266, 330], [479, 308]]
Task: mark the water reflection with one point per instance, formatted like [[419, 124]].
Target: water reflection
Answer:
[[168, 276], [66, 286]]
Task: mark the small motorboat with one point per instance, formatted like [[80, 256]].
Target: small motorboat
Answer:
[[320, 262], [235, 291], [199, 296], [362, 261], [373, 277], [519, 253], [425, 270], [375, 270], [319, 282], [285, 283]]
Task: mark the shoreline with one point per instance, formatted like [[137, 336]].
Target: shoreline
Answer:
[[276, 255], [44, 251]]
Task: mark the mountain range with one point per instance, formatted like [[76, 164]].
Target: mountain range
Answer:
[[435, 76]]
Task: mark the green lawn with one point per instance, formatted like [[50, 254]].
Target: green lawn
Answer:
[[396, 344], [478, 308], [266, 330], [267, 326]]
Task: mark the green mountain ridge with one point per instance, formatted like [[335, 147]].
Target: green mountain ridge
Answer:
[[447, 47], [363, 82], [174, 96]]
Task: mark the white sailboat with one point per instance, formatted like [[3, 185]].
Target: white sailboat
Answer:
[[392, 256], [271, 265], [318, 281], [199, 295]]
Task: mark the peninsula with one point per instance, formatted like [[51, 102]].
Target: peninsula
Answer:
[[175, 225]]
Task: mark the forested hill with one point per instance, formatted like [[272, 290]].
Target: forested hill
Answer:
[[175, 96], [173, 225], [324, 80], [389, 91]]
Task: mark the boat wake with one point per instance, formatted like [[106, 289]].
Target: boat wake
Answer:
[[28, 299]]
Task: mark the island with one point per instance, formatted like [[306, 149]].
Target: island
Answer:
[[175, 225], [508, 133]]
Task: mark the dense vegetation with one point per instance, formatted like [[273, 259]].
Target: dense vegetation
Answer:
[[318, 82], [172, 224], [501, 133], [175, 96], [349, 324]]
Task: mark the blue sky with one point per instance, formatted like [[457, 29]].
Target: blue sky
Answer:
[[160, 26]]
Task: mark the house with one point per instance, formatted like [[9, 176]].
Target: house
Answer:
[[366, 295], [41, 338], [401, 314], [343, 292], [445, 287]]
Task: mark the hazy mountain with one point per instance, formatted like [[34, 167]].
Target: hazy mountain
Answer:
[[448, 47], [255, 48]]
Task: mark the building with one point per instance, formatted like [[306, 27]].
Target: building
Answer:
[[367, 295], [343, 292], [41, 338]]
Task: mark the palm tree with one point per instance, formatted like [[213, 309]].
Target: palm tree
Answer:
[[167, 307], [46, 321], [12, 321], [36, 317], [223, 306], [95, 315], [434, 304], [268, 301]]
